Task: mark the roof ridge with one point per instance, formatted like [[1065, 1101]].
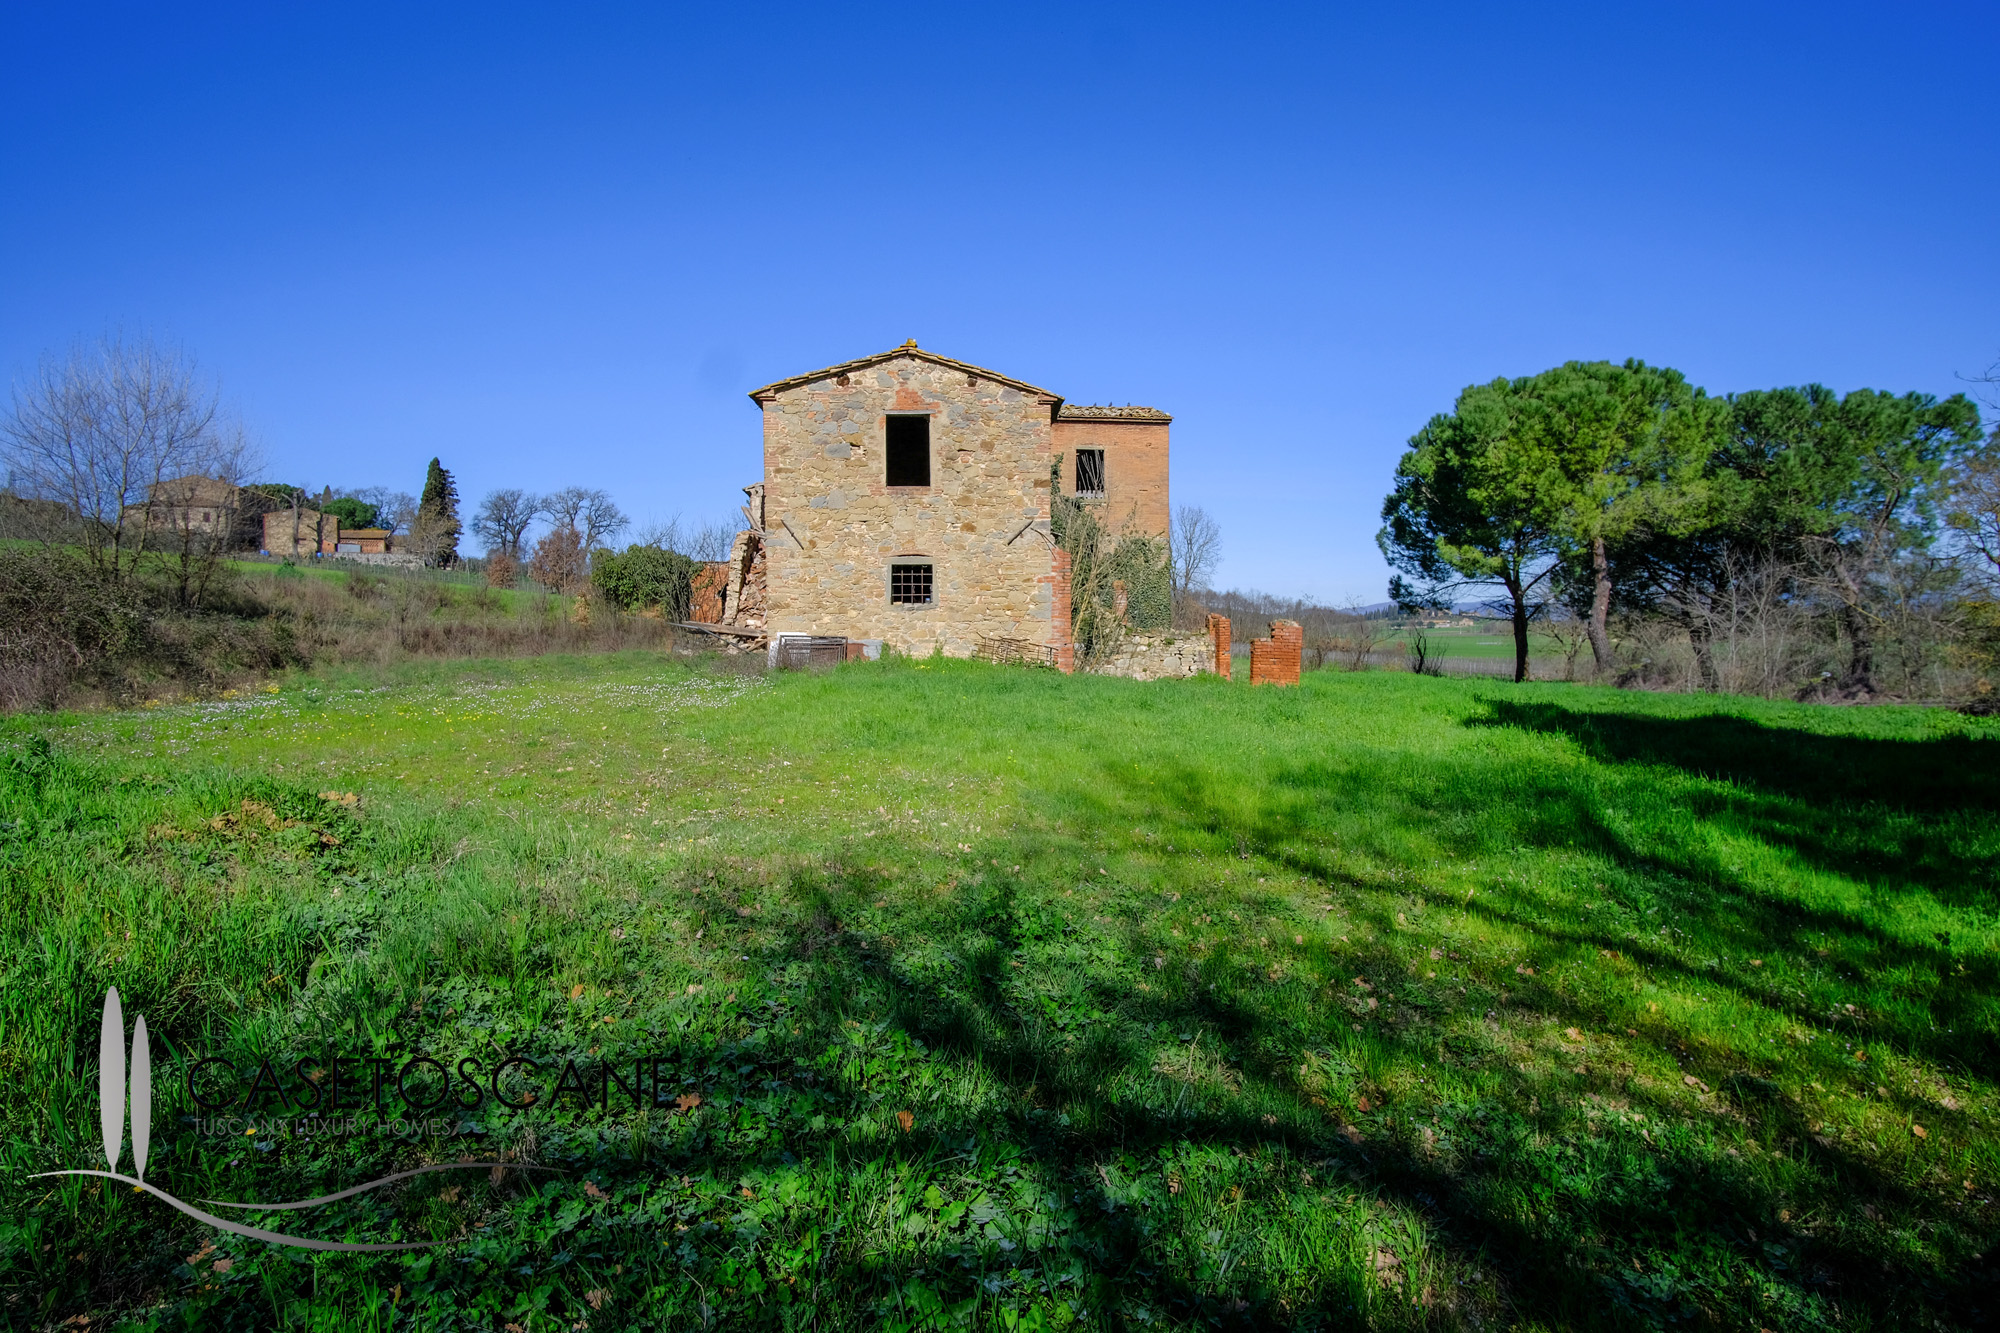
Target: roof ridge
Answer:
[[910, 349]]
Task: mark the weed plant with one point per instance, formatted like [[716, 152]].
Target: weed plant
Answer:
[[985, 997]]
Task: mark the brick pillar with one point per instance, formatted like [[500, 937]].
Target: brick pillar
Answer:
[[1288, 640], [1276, 660], [1059, 626], [1218, 634]]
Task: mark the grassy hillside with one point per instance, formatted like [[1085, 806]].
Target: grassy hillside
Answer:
[[983, 996]]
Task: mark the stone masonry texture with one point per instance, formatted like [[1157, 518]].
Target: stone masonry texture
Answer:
[[1160, 657], [833, 527]]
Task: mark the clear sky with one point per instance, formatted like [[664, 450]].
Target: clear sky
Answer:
[[557, 246]]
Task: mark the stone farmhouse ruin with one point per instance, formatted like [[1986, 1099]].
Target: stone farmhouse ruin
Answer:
[[906, 503]]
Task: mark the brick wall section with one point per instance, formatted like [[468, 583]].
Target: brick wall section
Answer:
[[711, 590], [832, 526], [1276, 660], [1058, 581], [1218, 633], [1135, 470]]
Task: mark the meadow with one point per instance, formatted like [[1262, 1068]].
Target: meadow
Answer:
[[978, 996]]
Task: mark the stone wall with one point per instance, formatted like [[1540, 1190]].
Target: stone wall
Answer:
[[314, 534], [1160, 657], [832, 525]]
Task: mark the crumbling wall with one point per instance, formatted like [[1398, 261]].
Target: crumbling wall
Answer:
[[1159, 657], [743, 598], [709, 592], [1276, 660], [1218, 633]]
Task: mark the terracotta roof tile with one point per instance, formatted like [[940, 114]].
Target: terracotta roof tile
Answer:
[[1109, 412]]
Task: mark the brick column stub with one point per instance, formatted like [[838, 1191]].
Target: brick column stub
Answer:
[[1218, 634], [1277, 660]]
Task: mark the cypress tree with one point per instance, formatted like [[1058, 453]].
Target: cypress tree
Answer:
[[437, 528]]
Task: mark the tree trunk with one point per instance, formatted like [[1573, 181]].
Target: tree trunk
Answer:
[[1860, 678], [1520, 597], [1704, 656], [1600, 606]]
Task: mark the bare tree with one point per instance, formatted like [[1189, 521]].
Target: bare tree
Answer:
[[707, 542], [1972, 512], [109, 436], [559, 562], [191, 521], [504, 517], [394, 510], [587, 511], [1194, 548], [1355, 636], [711, 542]]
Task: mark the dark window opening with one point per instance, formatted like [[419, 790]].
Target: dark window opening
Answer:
[[909, 585], [909, 450], [1090, 472]]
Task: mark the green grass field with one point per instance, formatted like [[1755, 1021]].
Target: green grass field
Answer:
[[985, 997], [1490, 640]]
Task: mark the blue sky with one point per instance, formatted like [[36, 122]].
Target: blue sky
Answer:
[[558, 246]]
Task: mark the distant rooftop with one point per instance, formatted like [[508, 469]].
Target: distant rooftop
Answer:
[[1109, 412]]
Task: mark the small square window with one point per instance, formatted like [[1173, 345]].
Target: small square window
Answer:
[[909, 585], [909, 451], [1090, 472]]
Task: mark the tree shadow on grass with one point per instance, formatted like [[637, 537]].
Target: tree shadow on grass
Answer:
[[1501, 1197], [1938, 1003], [1936, 776], [1947, 1023]]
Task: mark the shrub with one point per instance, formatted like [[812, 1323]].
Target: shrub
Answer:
[[643, 577], [558, 561], [60, 621]]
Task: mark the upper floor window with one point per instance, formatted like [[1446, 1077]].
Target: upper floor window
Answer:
[[1090, 472], [909, 450]]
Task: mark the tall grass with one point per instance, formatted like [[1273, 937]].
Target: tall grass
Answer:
[[1386, 1002]]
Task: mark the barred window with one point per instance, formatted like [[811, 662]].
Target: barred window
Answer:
[[1090, 472], [910, 585]]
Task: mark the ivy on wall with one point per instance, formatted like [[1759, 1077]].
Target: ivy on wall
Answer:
[[1105, 563]]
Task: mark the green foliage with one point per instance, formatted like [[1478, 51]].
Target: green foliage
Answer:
[[1477, 500], [436, 530], [278, 491], [351, 512], [1103, 564], [1607, 483], [1310, 1032], [643, 577]]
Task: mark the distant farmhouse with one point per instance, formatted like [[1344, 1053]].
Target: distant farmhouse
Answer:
[[200, 504], [905, 502], [304, 533]]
